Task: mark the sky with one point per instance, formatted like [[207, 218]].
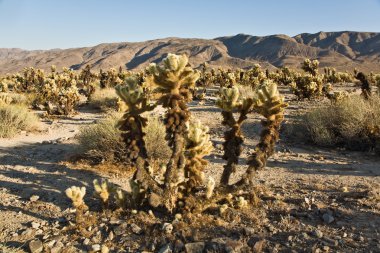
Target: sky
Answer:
[[47, 24]]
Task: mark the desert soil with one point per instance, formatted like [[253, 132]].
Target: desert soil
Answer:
[[312, 199]]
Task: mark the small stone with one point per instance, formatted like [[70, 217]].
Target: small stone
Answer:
[[14, 234], [119, 230], [36, 246], [34, 198], [290, 238], [305, 235], [136, 229], [56, 249], [195, 247], [86, 241], [318, 233], [51, 243], [35, 225], [111, 236], [95, 247], [326, 248], [327, 218], [166, 249], [105, 249], [167, 228], [344, 235]]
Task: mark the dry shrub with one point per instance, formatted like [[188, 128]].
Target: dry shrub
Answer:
[[156, 144], [104, 99], [101, 142], [15, 118], [353, 122]]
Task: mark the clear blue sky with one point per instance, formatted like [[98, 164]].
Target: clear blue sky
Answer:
[[45, 24]]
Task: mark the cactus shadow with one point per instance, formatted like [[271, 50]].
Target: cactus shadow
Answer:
[[37, 170]]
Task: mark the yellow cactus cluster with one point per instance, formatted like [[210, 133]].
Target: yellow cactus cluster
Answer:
[[173, 75], [103, 190], [268, 101], [131, 92], [76, 194], [229, 98], [198, 145]]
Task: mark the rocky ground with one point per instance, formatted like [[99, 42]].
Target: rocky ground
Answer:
[[310, 199]]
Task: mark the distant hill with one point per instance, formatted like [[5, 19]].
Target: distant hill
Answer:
[[342, 50]]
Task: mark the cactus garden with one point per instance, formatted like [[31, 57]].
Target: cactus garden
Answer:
[[184, 158]]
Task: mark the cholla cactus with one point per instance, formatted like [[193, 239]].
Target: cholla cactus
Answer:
[[310, 66], [174, 78], [120, 198], [103, 190], [308, 86], [242, 203], [377, 78], [365, 86], [269, 103], [229, 99], [198, 145], [76, 195], [5, 99], [132, 123], [230, 102], [210, 187]]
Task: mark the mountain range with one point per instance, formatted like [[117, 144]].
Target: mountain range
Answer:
[[344, 50]]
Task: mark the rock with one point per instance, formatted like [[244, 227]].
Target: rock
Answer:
[[50, 244], [166, 249], [327, 218], [56, 249], [318, 233], [14, 234], [105, 249], [167, 228], [35, 225], [258, 246], [34, 198], [136, 229], [36, 246], [233, 246], [27, 232], [86, 241], [111, 236], [95, 247], [119, 230], [195, 247]]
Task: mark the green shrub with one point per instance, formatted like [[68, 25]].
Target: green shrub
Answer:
[[353, 123], [15, 118]]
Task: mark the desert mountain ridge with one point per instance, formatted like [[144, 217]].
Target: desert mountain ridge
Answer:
[[344, 50]]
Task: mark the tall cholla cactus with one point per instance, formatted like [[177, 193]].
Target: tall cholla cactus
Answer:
[[174, 78], [198, 145], [269, 103], [230, 101], [132, 123], [229, 98]]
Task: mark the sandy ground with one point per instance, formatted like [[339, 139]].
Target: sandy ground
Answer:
[[315, 199]]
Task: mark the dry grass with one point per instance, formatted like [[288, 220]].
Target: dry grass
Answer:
[[15, 118], [104, 99], [352, 122], [101, 142]]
